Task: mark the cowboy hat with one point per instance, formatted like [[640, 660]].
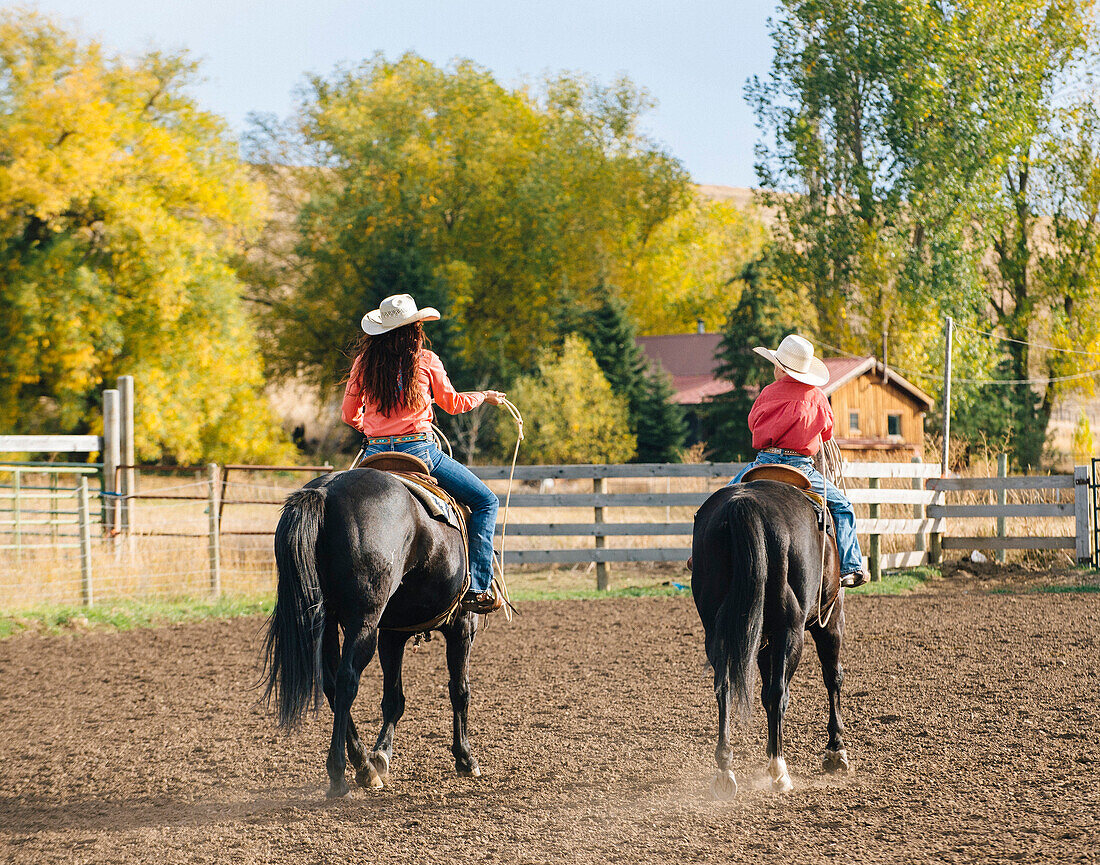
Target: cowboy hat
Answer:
[[796, 356], [397, 310]]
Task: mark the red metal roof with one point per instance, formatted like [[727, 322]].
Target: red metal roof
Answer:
[[683, 354], [691, 359]]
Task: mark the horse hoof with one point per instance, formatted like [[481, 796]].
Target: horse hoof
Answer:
[[380, 767], [473, 772], [835, 761], [367, 777], [781, 778], [337, 790], [723, 786], [782, 784]]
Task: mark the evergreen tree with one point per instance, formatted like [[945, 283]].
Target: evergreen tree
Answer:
[[657, 421], [757, 319]]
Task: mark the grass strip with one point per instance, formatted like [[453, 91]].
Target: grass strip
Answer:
[[660, 590], [1087, 588], [124, 615], [897, 582]]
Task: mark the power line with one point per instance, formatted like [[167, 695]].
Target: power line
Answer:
[[1025, 342], [989, 381]]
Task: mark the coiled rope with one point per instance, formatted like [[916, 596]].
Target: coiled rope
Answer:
[[499, 562], [833, 463]]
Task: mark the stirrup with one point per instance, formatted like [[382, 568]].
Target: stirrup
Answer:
[[855, 579], [482, 602]]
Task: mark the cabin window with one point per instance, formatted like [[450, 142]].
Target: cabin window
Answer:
[[853, 421], [893, 424]]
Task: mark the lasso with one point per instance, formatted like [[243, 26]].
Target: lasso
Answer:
[[518, 418]]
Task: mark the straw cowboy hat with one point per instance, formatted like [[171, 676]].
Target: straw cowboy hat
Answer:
[[796, 356], [397, 310]]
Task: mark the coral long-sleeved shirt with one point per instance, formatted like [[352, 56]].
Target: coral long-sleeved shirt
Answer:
[[432, 378], [789, 414]]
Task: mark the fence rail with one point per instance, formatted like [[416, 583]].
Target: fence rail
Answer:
[[898, 500], [919, 525]]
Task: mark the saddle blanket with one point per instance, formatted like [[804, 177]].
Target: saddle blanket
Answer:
[[438, 508]]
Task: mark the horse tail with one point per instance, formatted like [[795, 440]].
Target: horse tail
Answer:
[[740, 618], [292, 648]]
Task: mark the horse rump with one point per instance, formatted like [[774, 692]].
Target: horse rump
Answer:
[[292, 647], [734, 550]]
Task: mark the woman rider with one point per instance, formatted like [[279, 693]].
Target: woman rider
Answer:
[[392, 384], [790, 421]]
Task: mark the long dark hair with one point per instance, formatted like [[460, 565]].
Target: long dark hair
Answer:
[[388, 368]]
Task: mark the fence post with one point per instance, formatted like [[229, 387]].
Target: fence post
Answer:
[[935, 539], [1081, 512], [599, 486], [873, 551], [1002, 499], [111, 459], [85, 517], [54, 507], [17, 516], [215, 531], [919, 512], [126, 447]]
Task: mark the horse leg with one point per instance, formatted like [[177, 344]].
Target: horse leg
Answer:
[[391, 655], [828, 641], [460, 637], [777, 665], [724, 784], [359, 645], [330, 660]]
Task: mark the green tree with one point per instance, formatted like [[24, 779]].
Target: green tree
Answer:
[[122, 206], [571, 414], [907, 139], [758, 318], [500, 207], [1044, 270], [656, 421]]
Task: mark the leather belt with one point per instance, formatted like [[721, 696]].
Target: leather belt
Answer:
[[783, 452], [386, 440]]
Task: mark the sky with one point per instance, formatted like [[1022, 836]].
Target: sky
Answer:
[[693, 56]]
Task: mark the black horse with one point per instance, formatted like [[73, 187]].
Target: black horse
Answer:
[[760, 579], [357, 553]]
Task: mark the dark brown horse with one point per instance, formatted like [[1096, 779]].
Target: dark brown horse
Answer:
[[357, 555], [760, 579]]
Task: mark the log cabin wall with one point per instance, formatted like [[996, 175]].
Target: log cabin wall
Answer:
[[875, 402]]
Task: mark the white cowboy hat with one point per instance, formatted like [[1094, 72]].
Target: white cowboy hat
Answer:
[[796, 356], [397, 310]]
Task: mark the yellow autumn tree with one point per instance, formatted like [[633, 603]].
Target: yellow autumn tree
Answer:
[[122, 208], [570, 413], [692, 267]]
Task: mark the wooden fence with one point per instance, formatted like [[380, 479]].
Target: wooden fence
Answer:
[[632, 519], [915, 487]]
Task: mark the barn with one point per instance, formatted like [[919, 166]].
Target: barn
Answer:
[[878, 412]]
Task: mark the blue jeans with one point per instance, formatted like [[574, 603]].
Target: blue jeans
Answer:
[[851, 558], [468, 489]]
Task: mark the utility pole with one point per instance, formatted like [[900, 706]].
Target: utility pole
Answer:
[[948, 330], [935, 549]]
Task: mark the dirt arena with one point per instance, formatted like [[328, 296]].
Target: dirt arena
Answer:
[[973, 727]]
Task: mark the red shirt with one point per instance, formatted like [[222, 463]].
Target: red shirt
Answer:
[[789, 414], [431, 378]]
